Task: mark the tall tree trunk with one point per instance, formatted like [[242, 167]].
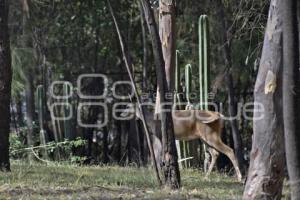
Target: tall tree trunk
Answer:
[[236, 136], [267, 161], [105, 146], [164, 63], [291, 89], [138, 143], [119, 141], [29, 96], [128, 65], [146, 82], [145, 51], [167, 37], [19, 113], [232, 107], [298, 20], [5, 87], [29, 87], [14, 119]]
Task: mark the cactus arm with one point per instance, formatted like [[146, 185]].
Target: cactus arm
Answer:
[[200, 63], [188, 83], [205, 52], [177, 73], [204, 68]]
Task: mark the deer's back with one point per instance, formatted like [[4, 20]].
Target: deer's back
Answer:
[[195, 124], [190, 124]]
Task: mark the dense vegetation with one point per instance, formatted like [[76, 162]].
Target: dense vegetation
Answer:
[[58, 40], [69, 69]]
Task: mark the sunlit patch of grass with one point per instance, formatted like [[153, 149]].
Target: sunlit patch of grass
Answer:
[[58, 181]]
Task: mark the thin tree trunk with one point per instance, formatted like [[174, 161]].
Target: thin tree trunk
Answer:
[[143, 145], [5, 87], [170, 166], [291, 89], [105, 146], [14, 119], [267, 160], [19, 113], [130, 132], [237, 139], [29, 87], [138, 142], [145, 51], [298, 20], [29, 95], [119, 141], [128, 65], [123, 141], [232, 107]]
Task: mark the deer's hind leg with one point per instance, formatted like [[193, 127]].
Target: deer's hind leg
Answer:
[[217, 144], [214, 156]]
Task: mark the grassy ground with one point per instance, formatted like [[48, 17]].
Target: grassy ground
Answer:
[[58, 181]]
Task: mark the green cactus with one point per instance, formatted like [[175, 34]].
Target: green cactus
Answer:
[[177, 100], [204, 70], [188, 84], [177, 81], [177, 73], [204, 62], [204, 82]]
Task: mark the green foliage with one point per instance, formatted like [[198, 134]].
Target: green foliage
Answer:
[[67, 148], [18, 149], [16, 144], [77, 159], [68, 145], [78, 142], [22, 58], [77, 37]]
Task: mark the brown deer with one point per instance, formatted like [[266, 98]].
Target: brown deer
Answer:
[[196, 124]]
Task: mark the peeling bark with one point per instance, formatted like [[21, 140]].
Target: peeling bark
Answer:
[[167, 36], [291, 95], [267, 162], [170, 166]]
